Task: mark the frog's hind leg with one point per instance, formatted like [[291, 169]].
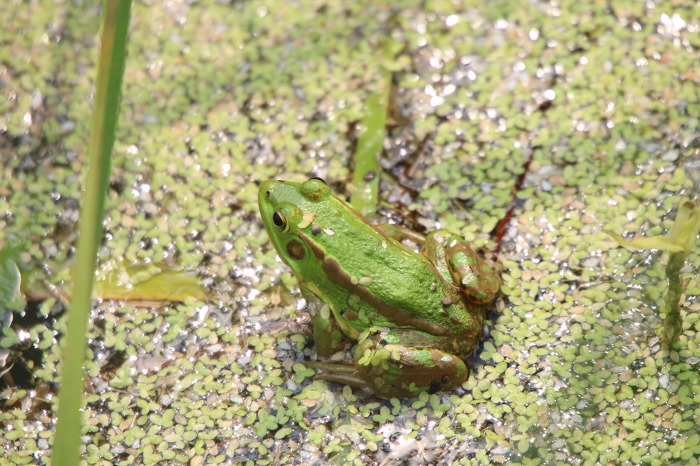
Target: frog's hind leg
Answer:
[[392, 369], [457, 261]]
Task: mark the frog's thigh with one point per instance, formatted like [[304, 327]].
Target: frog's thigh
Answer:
[[476, 277], [396, 370]]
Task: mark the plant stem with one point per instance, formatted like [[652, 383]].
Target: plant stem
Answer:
[[673, 321], [110, 70]]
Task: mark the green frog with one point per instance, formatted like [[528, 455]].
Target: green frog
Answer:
[[415, 316]]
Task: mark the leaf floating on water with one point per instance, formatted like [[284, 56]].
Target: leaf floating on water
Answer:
[[680, 238], [129, 283], [9, 280], [652, 242], [11, 297]]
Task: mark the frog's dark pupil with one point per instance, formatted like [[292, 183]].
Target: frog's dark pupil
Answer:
[[278, 220], [296, 250]]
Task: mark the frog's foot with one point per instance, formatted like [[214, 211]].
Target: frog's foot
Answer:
[[344, 373], [457, 261], [396, 370], [478, 279]]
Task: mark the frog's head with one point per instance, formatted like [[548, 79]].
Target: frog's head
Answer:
[[288, 210]]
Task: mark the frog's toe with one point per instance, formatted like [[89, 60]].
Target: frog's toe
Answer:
[[337, 372]]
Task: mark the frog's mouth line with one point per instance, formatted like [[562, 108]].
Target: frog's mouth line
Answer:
[[340, 278]]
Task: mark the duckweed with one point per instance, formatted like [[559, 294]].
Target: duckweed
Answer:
[[571, 369]]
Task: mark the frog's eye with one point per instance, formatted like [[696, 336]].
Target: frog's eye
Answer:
[[280, 220]]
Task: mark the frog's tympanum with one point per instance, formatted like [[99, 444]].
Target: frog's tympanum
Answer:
[[415, 316]]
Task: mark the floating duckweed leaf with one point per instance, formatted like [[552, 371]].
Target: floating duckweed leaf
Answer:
[[8, 338]]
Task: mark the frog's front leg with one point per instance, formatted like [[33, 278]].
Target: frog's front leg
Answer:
[[392, 369], [327, 335]]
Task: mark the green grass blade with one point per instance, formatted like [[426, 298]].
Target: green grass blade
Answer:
[[110, 70], [365, 180]]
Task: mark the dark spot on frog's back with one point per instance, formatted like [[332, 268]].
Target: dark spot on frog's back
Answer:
[[296, 250]]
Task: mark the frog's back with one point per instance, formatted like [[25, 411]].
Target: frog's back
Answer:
[[396, 286]]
